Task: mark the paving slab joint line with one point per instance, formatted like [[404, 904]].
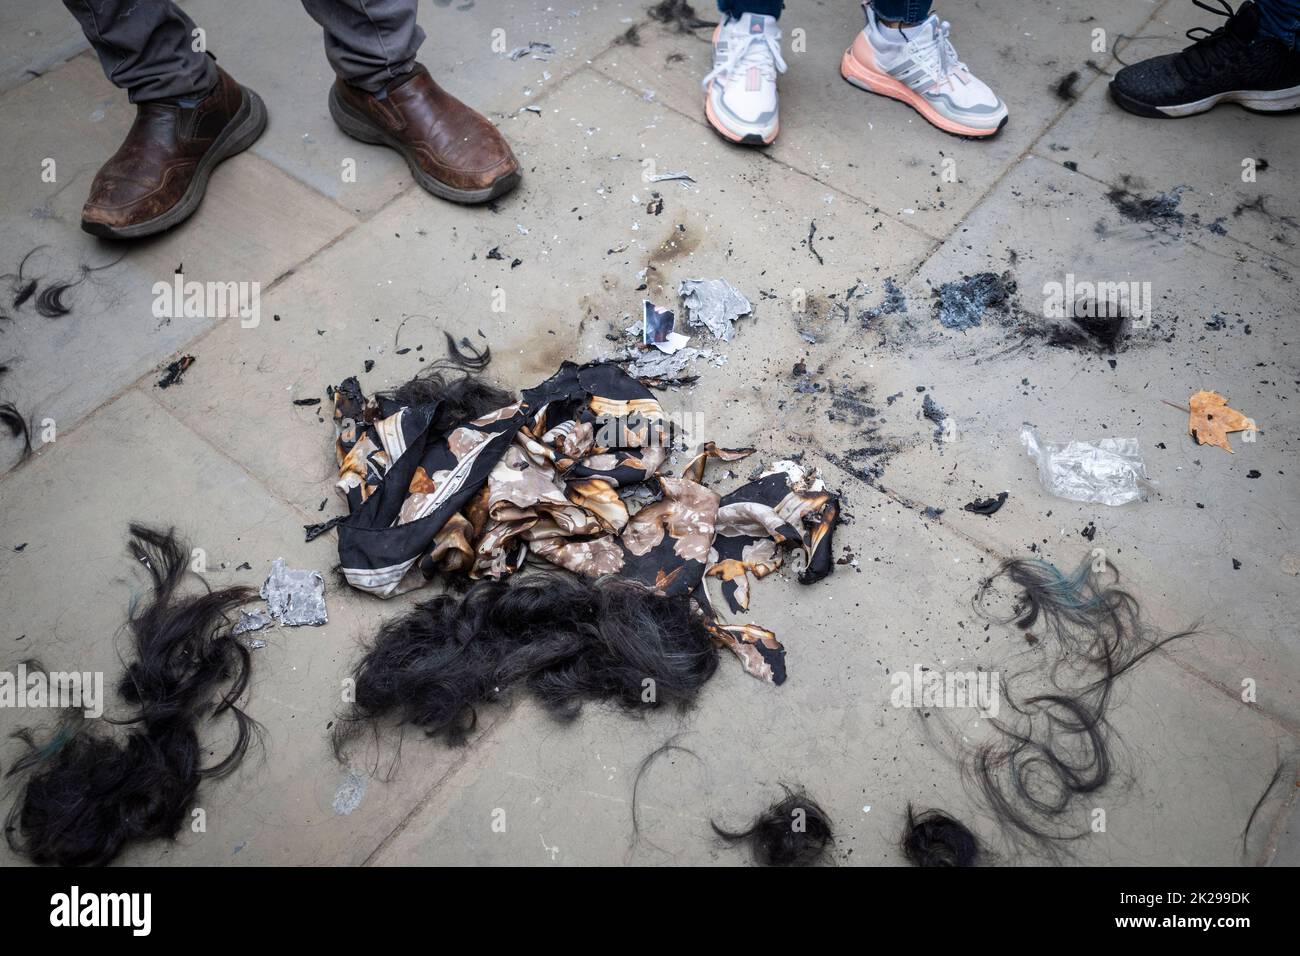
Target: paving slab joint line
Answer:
[[938, 240], [469, 750], [293, 506], [30, 76], [193, 343], [1111, 60], [1186, 667]]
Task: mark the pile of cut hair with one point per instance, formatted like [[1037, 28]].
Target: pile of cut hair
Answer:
[[48, 300], [47, 297], [934, 839], [1056, 746], [567, 639], [86, 794], [793, 831]]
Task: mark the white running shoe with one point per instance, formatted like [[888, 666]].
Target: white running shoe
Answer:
[[740, 90], [919, 66]]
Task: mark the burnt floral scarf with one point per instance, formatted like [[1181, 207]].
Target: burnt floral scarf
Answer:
[[560, 475]]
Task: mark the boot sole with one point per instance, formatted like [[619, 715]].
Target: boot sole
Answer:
[[241, 132], [360, 128], [1256, 101]]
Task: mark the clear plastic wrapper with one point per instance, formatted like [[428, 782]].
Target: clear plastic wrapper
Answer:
[[1108, 472]]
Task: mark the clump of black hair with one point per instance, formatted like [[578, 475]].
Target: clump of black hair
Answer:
[[50, 300], [567, 639], [17, 424], [21, 286], [89, 795], [462, 398], [932, 838], [793, 831]]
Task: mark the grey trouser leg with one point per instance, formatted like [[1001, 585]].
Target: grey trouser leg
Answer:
[[146, 47], [368, 42]]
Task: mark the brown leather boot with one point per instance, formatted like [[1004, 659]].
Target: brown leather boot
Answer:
[[453, 151], [157, 177]]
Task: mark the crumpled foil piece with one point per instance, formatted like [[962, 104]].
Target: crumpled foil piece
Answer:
[[294, 597], [662, 368], [251, 621], [1107, 472], [713, 304], [350, 793]]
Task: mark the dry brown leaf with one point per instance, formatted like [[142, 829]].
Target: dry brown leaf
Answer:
[[1212, 419]]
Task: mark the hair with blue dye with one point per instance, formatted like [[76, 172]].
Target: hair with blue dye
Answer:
[[1056, 746]]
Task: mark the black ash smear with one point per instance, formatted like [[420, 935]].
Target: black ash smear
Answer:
[[1160, 210], [1259, 206], [1106, 331], [174, 371]]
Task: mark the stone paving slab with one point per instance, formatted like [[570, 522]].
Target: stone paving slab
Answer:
[[278, 50], [65, 367], [33, 38], [564, 792], [1206, 508], [1130, 153], [366, 271], [872, 147], [279, 807], [569, 291]]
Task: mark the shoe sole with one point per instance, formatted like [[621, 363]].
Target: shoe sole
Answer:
[[243, 130], [361, 128], [741, 139], [1257, 101], [873, 82]]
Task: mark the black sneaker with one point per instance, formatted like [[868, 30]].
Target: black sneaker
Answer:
[[1233, 64]]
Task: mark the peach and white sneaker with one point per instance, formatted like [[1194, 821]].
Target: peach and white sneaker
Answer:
[[740, 90], [918, 65]]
